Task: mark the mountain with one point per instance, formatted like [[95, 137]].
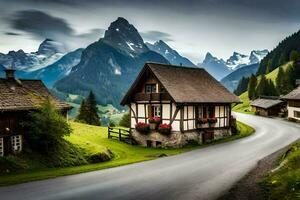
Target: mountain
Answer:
[[55, 71], [48, 52], [216, 67], [170, 54], [231, 80], [238, 60], [109, 66], [2, 74], [281, 54], [220, 68]]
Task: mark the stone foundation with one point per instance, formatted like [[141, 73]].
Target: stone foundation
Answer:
[[175, 139]]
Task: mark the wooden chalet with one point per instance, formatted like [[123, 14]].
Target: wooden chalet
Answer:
[[293, 104], [17, 98], [268, 106], [182, 97]]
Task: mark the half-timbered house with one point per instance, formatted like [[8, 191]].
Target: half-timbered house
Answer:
[[17, 98], [190, 100], [293, 104]]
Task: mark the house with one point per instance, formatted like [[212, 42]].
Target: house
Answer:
[[268, 106], [293, 104], [17, 98], [185, 98]]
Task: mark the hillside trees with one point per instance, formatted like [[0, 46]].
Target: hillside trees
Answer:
[[88, 111], [252, 87], [242, 86]]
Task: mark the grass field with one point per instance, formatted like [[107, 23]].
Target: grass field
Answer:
[[284, 182], [94, 139]]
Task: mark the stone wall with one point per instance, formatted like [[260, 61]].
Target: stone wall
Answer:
[[175, 139]]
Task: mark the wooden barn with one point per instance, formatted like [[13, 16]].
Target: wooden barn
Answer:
[[268, 106], [293, 104], [17, 98], [194, 104]]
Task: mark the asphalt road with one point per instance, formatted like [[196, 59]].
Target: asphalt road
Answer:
[[201, 174]]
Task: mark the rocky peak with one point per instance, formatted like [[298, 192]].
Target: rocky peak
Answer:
[[50, 47], [122, 35]]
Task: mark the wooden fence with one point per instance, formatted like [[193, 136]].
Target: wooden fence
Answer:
[[120, 134]]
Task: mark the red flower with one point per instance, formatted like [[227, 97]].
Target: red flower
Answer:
[[142, 127], [164, 126], [154, 120]]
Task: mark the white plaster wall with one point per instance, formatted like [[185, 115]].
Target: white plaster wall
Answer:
[[132, 123], [166, 111], [141, 110], [173, 111], [133, 108], [217, 113], [191, 124], [176, 126], [291, 112], [190, 112]]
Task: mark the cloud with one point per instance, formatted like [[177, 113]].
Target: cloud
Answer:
[[153, 36], [42, 25], [12, 33]]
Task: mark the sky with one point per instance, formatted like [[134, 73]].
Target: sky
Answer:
[[193, 27]]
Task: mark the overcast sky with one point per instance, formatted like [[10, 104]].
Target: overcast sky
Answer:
[[191, 27]]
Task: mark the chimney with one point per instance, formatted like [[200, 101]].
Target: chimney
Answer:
[[10, 74]]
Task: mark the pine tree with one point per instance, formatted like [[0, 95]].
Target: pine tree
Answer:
[[251, 87], [294, 55], [92, 110], [242, 86], [262, 86], [280, 80], [88, 111], [271, 89], [82, 112]]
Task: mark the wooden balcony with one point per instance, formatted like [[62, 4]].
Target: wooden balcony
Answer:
[[163, 96]]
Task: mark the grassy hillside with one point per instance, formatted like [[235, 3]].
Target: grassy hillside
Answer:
[[245, 106], [284, 181], [93, 140]]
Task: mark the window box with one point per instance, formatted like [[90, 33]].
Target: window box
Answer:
[[212, 121], [164, 129], [143, 128], [154, 122]]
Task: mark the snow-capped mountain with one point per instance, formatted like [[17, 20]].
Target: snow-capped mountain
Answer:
[[220, 68], [170, 54], [110, 65], [55, 71], [48, 52], [238, 60], [125, 37]]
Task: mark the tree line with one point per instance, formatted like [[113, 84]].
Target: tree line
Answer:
[[261, 86]]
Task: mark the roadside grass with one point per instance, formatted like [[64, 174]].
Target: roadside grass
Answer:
[[93, 139], [284, 181], [243, 107]]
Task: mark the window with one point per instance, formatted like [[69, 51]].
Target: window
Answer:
[[297, 114], [16, 143], [150, 88], [208, 111], [156, 111], [1, 147]]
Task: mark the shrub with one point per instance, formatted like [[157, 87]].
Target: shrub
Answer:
[[212, 120], [46, 127], [155, 120], [125, 121], [164, 129], [142, 127], [202, 120]]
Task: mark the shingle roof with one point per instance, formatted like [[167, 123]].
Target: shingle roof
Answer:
[[293, 95], [25, 95], [266, 102], [188, 85]]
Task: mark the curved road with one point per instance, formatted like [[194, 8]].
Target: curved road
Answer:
[[201, 174]]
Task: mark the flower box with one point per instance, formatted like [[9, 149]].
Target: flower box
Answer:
[[164, 129], [154, 122], [212, 121], [142, 127], [202, 120]]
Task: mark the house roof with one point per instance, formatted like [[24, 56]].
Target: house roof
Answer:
[[266, 102], [25, 95], [187, 85], [293, 95]]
